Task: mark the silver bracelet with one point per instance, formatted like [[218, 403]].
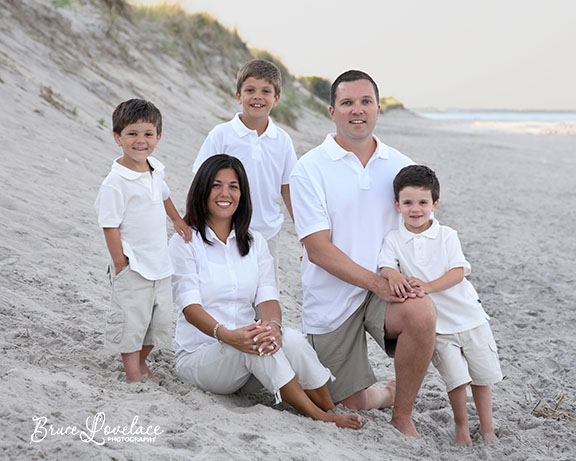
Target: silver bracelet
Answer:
[[279, 325], [215, 332]]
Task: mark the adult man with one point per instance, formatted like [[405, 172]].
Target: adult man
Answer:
[[343, 205]]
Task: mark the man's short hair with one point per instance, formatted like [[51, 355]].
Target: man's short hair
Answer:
[[260, 69], [417, 176], [134, 111], [352, 76]]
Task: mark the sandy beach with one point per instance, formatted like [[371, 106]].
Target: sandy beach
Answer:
[[509, 193]]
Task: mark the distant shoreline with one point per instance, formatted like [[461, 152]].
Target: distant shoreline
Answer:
[[497, 115]]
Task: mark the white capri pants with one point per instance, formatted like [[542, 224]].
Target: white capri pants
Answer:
[[223, 369]]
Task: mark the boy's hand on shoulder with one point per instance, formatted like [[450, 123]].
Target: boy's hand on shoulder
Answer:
[[183, 230]]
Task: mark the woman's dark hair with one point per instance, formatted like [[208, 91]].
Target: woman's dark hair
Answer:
[[197, 202]]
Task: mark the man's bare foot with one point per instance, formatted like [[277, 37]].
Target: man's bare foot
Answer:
[[387, 394], [463, 437], [349, 421], [405, 425], [489, 437]]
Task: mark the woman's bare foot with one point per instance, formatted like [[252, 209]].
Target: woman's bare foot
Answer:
[[349, 421], [489, 437]]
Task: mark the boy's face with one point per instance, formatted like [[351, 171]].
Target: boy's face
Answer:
[[416, 205], [257, 98], [137, 140]]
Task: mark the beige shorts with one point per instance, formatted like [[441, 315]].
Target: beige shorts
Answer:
[[140, 312], [467, 357], [345, 352]]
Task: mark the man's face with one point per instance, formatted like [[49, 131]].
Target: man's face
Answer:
[[355, 111]]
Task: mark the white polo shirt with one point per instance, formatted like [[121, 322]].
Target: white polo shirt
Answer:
[[134, 203], [331, 190], [428, 256], [224, 283], [268, 160]]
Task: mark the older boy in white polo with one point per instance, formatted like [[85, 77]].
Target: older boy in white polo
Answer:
[[265, 150]]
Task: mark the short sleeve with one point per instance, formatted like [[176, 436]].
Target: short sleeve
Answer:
[[310, 214], [209, 147], [109, 206], [266, 271], [454, 252], [290, 161], [388, 256], [165, 191], [185, 280]]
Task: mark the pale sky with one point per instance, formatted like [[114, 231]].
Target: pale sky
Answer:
[[491, 54]]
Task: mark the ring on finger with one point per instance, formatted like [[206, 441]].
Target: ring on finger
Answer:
[[254, 347]]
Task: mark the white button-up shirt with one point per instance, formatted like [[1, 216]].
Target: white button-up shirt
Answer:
[[268, 160], [332, 190], [133, 202], [216, 277], [428, 256]]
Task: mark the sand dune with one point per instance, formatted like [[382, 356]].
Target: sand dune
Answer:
[[510, 195]]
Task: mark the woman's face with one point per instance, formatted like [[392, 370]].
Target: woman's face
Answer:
[[224, 196]]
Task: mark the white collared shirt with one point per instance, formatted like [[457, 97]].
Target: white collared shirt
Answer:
[[133, 202], [428, 256], [268, 160], [216, 277], [331, 190]]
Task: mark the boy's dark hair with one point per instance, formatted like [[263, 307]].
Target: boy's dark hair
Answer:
[[134, 111], [197, 202], [417, 176], [352, 76], [261, 69]]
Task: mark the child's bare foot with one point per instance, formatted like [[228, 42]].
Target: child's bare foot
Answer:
[[489, 437], [349, 421], [148, 373], [463, 437], [405, 425], [133, 378]]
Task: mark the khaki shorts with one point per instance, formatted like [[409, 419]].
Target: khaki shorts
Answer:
[[140, 312], [467, 357], [344, 351]]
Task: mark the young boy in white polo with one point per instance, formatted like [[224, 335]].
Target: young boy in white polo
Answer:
[[426, 255], [132, 204], [265, 150]]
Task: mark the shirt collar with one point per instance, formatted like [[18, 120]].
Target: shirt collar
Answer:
[[212, 237], [431, 232], [242, 130], [127, 173], [336, 152]]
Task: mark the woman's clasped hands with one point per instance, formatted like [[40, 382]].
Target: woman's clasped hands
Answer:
[[259, 338]]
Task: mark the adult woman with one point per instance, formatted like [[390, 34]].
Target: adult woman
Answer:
[[219, 277]]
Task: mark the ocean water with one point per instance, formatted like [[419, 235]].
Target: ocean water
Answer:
[[499, 115]]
